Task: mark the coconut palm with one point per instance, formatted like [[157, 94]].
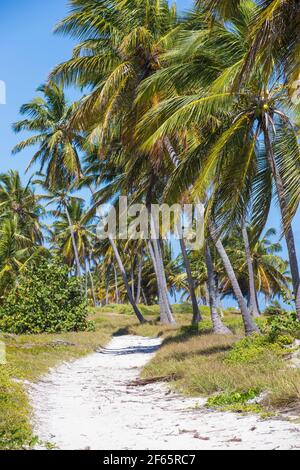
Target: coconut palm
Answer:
[[270, 270], [240, 121], [117, 52], [63, 200], [48, 117], [16, 251], [20, 201], [84, 235]]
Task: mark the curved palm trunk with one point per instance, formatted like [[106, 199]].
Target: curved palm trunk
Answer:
[[196, 312], [139, 282], [132, 279], [289, 234], [78, 269], [107, 285], [218, 326], [124, 276], [166, 316], [253, 298], [125, 280], [250, 326], [116, 285], [92, 282]]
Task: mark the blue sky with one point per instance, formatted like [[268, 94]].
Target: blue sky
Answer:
[[29, 50]]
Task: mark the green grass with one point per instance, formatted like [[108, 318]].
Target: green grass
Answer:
[[204, 364], [31, 356], [229, 370]]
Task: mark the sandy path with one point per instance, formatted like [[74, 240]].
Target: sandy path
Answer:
[[88, 404]]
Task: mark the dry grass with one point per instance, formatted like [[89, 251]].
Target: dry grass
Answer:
[[29, 357], [195, 359]]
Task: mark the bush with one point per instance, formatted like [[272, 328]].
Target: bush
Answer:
[[252, 349], [274, 309], [286, 324], [46, 299]]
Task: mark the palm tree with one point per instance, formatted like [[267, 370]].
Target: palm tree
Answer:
[[240, 121], [270, 271], [253, 297], [48, 117], [63, 200], [121, 43], [16, 251], [20, 201], [84, 235]]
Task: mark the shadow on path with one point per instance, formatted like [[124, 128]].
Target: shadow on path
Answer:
[[129, 350]]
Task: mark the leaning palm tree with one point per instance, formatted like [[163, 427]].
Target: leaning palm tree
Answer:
[[241, 120], [48, 117], [120, 44], [63, 200], [270, 270]]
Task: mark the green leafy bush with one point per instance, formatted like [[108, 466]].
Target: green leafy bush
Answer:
[[282, 325], [46, 299], [242, 402], [252, 349]]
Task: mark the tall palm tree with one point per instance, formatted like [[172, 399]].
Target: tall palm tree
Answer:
[[20, 201], [63, 200], [84, 235], [16, 250], [241, 120], [120, 44], [270, 270], [48, 118]]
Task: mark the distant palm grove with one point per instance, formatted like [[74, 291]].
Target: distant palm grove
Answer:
[[175, 108]]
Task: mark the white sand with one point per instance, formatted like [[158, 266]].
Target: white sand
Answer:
[[88, 404]]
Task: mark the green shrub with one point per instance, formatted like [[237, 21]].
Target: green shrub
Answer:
[[252, 349], [235, 401], [282, 325], [274, 309], [46, 299]]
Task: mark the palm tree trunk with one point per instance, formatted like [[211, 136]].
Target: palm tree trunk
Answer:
[[289, 234], [218, 326], [144, 297], [253, 299], [107, 285], [78, 269], [171, 151], [166, 316], [250, 326], [116, 284], [206, 296], [92, 282], [132, 278], [196, 312], [85, 278], [139, 282], [125, 280]]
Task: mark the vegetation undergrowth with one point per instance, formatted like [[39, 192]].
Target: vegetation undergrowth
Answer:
[[31, 356], [230, 370]]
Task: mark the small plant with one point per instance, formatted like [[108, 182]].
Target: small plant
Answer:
[[274, 309], [283, 325], [252, 349], [235, 401], [46, 299]]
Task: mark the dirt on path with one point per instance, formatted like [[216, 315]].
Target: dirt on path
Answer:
[[89, 404]]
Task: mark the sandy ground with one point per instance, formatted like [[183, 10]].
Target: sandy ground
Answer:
[[88, 404]]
